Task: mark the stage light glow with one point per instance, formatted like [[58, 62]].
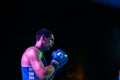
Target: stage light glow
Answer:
[[112, 3]]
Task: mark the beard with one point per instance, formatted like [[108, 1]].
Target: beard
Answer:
[[46, 48]]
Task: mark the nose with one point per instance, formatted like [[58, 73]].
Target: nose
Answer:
[[51, 43]]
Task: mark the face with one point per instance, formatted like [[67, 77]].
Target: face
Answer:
[[49, 42]]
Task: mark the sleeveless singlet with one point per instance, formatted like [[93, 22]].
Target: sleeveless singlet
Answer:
[[28, 73]]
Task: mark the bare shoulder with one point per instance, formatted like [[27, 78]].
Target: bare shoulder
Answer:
[[31, 51], [30, 54]]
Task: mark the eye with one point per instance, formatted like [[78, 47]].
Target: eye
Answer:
[[51, 41]]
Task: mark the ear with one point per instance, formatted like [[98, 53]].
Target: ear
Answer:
[[43, 38]]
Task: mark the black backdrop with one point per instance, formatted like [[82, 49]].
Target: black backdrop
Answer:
[[88, 32]]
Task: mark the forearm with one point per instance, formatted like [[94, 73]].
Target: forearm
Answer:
[[49, 71], [45, 72], [52, 76]]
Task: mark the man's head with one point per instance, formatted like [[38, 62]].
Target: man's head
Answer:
[[45, 37]]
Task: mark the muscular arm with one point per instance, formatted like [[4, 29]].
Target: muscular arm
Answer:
[[35, 61]]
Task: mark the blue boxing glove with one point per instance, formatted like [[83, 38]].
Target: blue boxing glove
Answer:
[[64, 57], [59, 58]]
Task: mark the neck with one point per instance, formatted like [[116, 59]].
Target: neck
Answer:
[[41, 49]]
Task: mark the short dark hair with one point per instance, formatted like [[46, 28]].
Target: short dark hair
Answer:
[[44, 31]]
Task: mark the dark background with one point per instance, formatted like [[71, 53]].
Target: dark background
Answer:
[[87, 31]]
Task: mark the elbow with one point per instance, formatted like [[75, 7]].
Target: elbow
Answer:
[[43, 76]]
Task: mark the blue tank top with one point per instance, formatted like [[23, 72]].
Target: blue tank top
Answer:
[[28, 73]]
